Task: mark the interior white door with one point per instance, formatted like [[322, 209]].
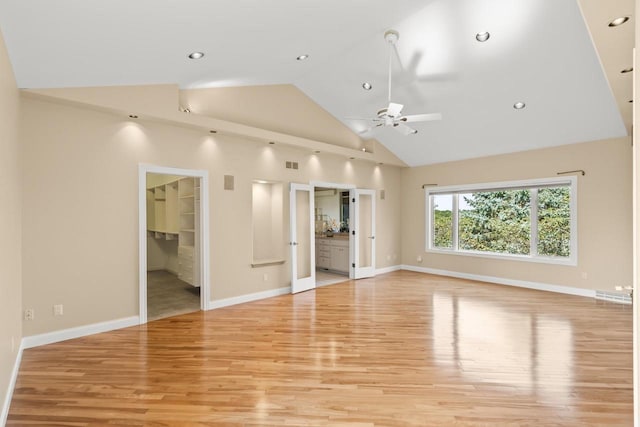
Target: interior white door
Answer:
[[302, 242], [362, 233]]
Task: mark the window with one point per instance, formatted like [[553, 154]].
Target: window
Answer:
[[527, 220]]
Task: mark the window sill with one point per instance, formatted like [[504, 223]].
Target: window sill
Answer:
[[571, 261]]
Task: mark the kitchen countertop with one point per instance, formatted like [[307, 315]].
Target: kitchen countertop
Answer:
[[336, 236]]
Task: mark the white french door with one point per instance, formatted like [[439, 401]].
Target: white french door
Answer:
[[301, 238], [362, 236]]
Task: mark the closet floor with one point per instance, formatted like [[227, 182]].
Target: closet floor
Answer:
[[169, 296]]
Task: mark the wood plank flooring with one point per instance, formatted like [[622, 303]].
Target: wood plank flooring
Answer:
[[402, 349]]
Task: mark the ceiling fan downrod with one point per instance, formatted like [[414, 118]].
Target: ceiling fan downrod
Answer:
[[391, 37]]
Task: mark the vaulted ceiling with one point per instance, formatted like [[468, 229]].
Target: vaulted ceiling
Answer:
[[558, 57]]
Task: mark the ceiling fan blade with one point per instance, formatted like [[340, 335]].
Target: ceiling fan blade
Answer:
[[421, 117], [394, 109], [363, 132], [404, 129], [359, 118]]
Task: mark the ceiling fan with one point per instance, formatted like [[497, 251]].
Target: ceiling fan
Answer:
[[392, 114]]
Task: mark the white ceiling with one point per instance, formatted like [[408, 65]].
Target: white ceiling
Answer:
[[540, 52]]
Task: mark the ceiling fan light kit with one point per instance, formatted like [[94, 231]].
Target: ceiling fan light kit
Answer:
[[392, 115]]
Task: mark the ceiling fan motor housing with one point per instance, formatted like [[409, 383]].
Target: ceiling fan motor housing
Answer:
[[391, 36]]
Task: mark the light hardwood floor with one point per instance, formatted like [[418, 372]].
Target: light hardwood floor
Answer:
[[403, 349]]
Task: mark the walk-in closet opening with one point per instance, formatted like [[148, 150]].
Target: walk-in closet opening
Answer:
[[173, 239], [331, 235]]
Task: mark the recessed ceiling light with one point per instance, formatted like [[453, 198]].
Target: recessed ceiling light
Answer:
[[351, 158], [483, 37], [317, 151], [133, 116], [185, 110], [302, 57], [271, 143], [213, 131], [363, 149], [627, 70], [367, 86], [618, 21], [381, 163], [414, 132], [261, 181], [196, 55], [630, 101], [519, 105]]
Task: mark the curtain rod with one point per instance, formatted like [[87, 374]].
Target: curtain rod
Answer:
[[583, 173], [577, 170]]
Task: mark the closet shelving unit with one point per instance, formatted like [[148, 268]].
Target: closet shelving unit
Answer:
[[173, 212]]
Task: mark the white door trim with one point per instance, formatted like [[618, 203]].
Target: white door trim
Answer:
[[338, 186], [205, 290], [332, 185]]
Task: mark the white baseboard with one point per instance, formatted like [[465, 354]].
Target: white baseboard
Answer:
[[12, 385], [502, 281], [80, 331], [249, 297], [390, 269]]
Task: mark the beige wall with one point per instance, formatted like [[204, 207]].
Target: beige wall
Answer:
[[81, 217], [604, 213], [10, 218]]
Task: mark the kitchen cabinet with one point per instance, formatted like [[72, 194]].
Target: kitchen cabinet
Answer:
[[332, 254]]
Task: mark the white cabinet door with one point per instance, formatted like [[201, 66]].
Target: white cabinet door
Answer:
[[340, 258]]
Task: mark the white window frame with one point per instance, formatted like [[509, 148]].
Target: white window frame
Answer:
[[570, 181]]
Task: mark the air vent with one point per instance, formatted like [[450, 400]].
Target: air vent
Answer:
[[291, 165], [619, 297]]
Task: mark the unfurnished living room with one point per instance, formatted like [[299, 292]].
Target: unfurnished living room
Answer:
[[305, 213]]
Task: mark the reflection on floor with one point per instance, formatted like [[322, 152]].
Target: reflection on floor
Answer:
[[399, 349], [324, 277], [169, 296]]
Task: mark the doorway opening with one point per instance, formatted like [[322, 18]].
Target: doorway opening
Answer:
[[332, 243], [306, 240], [173, 243]]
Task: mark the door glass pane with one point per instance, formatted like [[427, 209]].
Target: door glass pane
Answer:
[[303, 234], [365, 231]]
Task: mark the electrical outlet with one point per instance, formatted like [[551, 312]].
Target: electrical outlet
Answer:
[[265, 277], [584, 275], [58, 310], [29, 314], [419, 258]]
